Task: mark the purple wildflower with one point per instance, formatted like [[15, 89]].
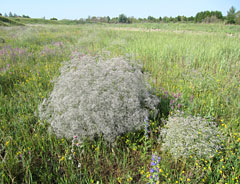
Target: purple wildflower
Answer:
[[154, 169], [191, 99], [178, 94], [166, 94]]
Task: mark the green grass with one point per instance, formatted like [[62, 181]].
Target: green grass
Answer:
[[46, 21], [8, 22], [198, 28], [11, 21], [201, 66]]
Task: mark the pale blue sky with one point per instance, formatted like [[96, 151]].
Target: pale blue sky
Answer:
[[75, 9]]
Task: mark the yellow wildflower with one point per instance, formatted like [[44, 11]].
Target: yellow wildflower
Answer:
[[119, 180], [129, 179], [6, 144], [148, 174]]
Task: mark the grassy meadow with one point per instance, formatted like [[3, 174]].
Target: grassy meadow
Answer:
[[199, 62]]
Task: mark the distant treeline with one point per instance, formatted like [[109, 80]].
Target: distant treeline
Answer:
[[10, 14], [233, 17]]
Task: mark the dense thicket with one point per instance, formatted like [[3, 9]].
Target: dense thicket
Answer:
[[208, 16]]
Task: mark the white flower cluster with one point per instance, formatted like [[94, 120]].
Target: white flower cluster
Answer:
[[190, 136], [93, 96]]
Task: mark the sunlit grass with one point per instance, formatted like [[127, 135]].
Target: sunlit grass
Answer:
[[201, 69]]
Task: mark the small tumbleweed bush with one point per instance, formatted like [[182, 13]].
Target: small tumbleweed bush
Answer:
[[190, 136], [94, 97]]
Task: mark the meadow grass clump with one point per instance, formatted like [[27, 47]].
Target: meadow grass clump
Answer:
[[187, 136], [96, 97]]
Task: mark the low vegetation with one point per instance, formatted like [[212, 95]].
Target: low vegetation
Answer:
[[8, 22], [191, 71]]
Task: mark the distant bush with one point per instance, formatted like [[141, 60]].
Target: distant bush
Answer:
[[124, 19], [184, 137], [25, 16], [96, 97], [53, 19]]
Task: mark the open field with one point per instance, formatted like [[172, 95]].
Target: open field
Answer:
[[198, 61], [210, 28]]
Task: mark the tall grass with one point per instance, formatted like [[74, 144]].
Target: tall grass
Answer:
[[185, 27], [202, 69]]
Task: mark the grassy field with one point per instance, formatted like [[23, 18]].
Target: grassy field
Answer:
[[199, 28], [9, 22], [203, 68]]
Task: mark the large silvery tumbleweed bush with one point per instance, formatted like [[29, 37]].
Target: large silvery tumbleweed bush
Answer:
[[188, 136], [93, 96]]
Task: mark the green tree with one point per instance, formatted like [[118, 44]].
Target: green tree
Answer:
[[199, 17], [132, 19], [151, 19], [191, 19], [25, 16], [238, 17], [171, 19], [208, 16], [218, 14], [178, 18], [231, 15], [184, 18], [10, 14], [108, 19], [166, 19], [122, 18]]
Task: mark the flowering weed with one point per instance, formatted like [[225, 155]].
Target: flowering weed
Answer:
[[186, 136]]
